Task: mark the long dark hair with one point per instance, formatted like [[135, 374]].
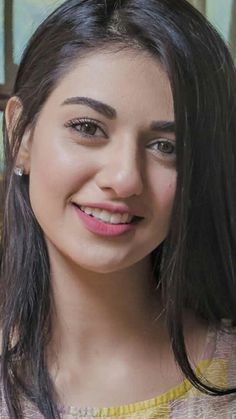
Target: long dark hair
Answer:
[[196, 265]]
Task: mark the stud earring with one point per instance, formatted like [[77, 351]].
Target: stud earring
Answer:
[[19, 170]]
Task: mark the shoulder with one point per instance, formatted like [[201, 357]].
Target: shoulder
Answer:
[[217, 369], [226, 341], [226, 351], [29, 411], [219, 362]]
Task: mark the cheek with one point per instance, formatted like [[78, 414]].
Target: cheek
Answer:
[[56, 170], [163, 190], [168, 194]]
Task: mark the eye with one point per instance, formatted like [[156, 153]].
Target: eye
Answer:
[[164, 147], [86, 127]]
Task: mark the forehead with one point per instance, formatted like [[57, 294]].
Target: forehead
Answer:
[[130, 81]]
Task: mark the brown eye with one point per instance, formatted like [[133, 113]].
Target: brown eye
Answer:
[[166, 147], [163, 148], [86, 128]]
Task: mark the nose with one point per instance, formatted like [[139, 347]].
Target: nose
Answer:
[[121, 171]]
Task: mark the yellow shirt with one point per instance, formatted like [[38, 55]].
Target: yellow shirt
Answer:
[[218, 366]]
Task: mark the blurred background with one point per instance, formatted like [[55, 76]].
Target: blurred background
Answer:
[[19, 18]]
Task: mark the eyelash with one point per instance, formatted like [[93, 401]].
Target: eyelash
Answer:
[[92, 122], [168, 155], [75, 122]]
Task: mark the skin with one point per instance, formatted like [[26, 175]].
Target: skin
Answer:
[[105, 303]]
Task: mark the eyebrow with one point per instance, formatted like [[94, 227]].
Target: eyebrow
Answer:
[[163, 126], [110, 113], [96, 105]]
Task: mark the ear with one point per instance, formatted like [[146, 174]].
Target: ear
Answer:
[[13, 111]]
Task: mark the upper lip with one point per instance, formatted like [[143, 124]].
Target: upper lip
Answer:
[[111, 207]]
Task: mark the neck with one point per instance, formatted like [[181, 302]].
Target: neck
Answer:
[[101, 310]]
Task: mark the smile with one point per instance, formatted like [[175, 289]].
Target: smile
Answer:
[[107, 216], [106, 223]]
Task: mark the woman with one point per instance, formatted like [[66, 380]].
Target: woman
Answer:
[[118, 243]]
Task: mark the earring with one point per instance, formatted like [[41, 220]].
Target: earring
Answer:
[[19, 170]]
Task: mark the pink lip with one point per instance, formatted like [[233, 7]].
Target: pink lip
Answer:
[[99, 227]]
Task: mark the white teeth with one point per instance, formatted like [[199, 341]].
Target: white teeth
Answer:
[[116, 219], [96, 212], [88, 210], [125, 218], [106, 216]]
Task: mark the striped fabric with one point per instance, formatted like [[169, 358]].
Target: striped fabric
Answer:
[[218, 366]]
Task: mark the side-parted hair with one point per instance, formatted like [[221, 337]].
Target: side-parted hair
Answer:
[[196, 265]]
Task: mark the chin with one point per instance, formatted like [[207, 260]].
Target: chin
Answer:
[[104, 268]]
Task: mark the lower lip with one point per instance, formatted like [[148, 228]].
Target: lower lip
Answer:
[[103, 229]]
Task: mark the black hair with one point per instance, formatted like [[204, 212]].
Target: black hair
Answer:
[[196, 264]]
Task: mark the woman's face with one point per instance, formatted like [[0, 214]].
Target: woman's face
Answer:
[[102, 161]]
